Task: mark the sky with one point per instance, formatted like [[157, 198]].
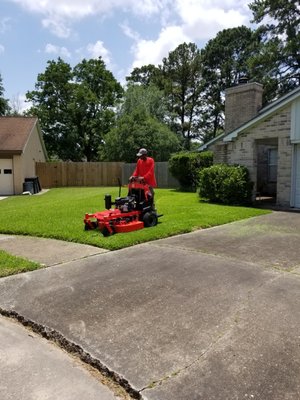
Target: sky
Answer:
[[125, 33]]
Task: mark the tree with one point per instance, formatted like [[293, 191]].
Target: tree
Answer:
[[264, 65], [4, 104], [141, 123], [145, 75], [139, 129], [148, 98], [182, 74], [16, 106], [282, 37], [95, 95], [51, 101], [75, 107], [225, 59]]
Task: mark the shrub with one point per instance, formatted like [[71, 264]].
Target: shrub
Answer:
[[185, 166], [225, 184]]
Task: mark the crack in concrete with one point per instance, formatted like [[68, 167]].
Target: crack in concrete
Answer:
[[74, 350], [283, 270], [232, 323], [160, 381]]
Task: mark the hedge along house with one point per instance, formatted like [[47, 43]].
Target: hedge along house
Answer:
[[265, 140], [21, 146]]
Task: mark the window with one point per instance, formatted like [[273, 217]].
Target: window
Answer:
[[7, 171], [272, 165]]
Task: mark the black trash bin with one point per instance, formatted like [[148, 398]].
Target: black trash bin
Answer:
[[35, 183], [28, 187]]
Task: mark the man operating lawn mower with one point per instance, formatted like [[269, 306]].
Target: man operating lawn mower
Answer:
[[145, 170], [133, 212]]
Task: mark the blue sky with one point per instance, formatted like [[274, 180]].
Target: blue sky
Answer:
[[125, 33]]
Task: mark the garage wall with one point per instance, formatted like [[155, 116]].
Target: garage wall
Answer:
[[33, 152], [24, 164]]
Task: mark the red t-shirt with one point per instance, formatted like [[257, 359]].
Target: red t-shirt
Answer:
[[145, 168]]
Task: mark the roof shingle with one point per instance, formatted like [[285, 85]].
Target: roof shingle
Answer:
[[14, 133]]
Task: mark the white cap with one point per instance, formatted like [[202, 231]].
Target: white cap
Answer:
[[142, 152]]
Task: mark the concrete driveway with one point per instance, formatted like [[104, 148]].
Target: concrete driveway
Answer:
[[213, 314]]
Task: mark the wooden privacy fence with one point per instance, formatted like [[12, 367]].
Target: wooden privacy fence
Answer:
[[66, 174], [163, 176]]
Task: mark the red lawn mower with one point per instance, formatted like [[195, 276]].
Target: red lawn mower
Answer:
[[133, 212]]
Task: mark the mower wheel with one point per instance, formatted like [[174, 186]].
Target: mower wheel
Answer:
[[150, 219], [88, 227], [105, 232]]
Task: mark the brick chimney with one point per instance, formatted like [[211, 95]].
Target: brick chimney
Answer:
[[242, 102]]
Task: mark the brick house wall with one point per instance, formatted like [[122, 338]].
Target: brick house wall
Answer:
[[243, 150]]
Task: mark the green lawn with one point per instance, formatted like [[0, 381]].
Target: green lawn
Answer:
[[59, 214], [10, 265]]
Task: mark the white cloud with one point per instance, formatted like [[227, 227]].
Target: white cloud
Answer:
[[129, 32], [198, 17], [80, 9], [180, 21], [59, 14], [203, 19], [97, 50], [59, 51], [5, 24], [153, 51], [2, 49], [196, 20], [57, 26]]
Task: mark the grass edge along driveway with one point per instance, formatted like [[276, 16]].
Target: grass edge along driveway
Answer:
[[11, 265], [58, 214]]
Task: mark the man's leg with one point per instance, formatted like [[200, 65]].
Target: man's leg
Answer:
[[151, 196]]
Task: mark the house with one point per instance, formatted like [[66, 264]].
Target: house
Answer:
[[21, 146], [265, 140]]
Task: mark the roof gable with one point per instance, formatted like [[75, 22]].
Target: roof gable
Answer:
[[263, 113], [14, 133]]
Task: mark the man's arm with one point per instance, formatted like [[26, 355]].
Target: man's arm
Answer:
[[136, 171]]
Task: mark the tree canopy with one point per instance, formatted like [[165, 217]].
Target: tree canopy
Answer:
[[280, 23], [75, 107], [181, 80], [4, 103], [148, 98], [140, 123], [145, 75], [225, 59]]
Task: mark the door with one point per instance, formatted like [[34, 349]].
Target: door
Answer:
[[297, 175], [6, 177]]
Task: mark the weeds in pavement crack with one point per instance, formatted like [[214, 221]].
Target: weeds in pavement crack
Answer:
[[76, 351]]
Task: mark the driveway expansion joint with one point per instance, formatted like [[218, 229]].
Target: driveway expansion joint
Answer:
[[75, 259], [294, 269], [232, 323], [73, 349]]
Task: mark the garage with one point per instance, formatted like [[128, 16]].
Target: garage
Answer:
[[21, 146], [6, 177]]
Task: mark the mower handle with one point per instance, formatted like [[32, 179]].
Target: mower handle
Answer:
[[137, 179]]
